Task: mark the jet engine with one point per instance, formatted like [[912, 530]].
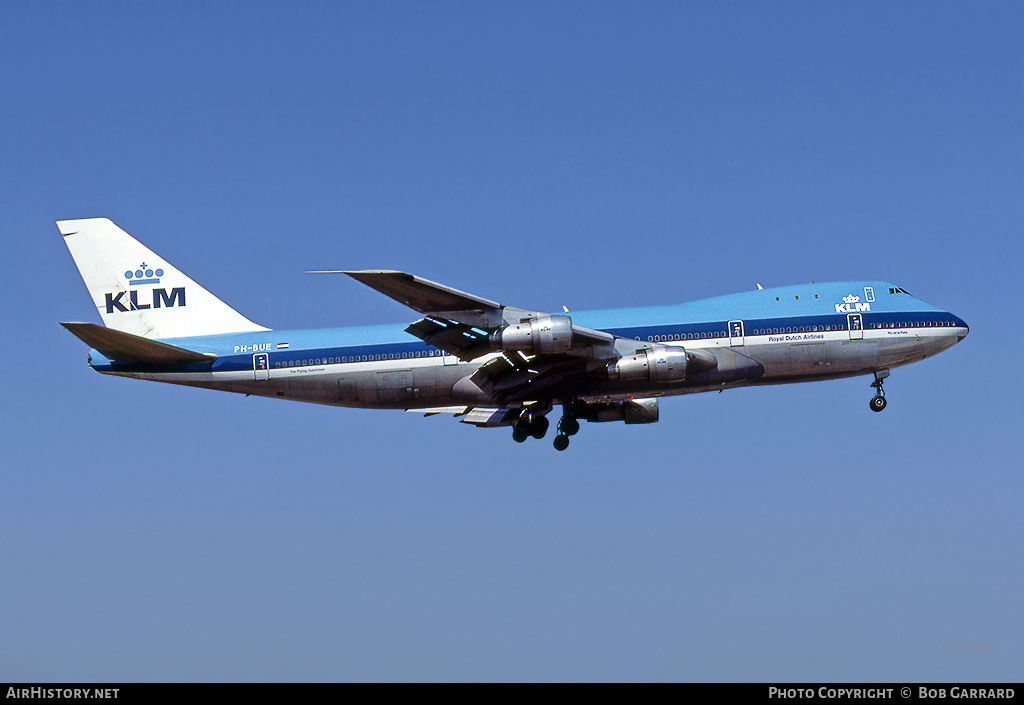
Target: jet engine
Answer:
[[542, 335], [632, 411], [657, 364]]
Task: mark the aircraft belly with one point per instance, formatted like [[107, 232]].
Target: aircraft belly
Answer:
[[421, 386], [371, 388], [415, 387], [395, 387], [822, 358], [898, 349]]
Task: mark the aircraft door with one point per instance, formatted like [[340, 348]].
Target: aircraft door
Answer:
[[261, 366], [856, 325], [736, 333]]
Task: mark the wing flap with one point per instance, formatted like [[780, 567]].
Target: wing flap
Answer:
[[464, 341], [125, 347], [434, 410], [490, 418]]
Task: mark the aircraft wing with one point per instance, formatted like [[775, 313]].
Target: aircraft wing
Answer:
[[539, 353], [457, 322], [422, 295]]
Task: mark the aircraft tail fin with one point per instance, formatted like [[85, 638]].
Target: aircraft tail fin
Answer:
[[138, 292]]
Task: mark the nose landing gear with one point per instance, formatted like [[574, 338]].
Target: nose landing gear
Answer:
[[877, 402]]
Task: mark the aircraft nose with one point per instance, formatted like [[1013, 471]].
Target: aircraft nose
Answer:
[[960, 323]]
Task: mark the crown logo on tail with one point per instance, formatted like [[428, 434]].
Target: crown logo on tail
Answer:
[[143, 275]]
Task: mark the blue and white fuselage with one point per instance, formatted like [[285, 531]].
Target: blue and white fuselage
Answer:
[[790, 334], [497, 365]]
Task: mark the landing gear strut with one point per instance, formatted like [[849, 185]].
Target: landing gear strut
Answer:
[[877, 402], [567, 426]]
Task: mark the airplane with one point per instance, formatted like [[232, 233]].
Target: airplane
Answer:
[[489, 364]]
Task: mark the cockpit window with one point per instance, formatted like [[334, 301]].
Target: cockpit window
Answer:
[[898, 290]]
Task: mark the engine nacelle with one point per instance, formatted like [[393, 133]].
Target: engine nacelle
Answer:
[[658, 364], [546, 334], [631, 411]]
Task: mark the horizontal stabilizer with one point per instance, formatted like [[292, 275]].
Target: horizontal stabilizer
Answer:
[[125, 347]]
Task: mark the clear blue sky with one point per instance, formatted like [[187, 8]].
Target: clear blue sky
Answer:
[[541, 154]]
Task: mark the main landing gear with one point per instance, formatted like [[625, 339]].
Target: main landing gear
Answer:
[[567, 426], [531, 423], [877, 402]]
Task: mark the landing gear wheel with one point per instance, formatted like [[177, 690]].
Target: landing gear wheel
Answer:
[[569, 426], [519, 435], [539, 427], [877, 402], [561, 441], [522, 425]]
